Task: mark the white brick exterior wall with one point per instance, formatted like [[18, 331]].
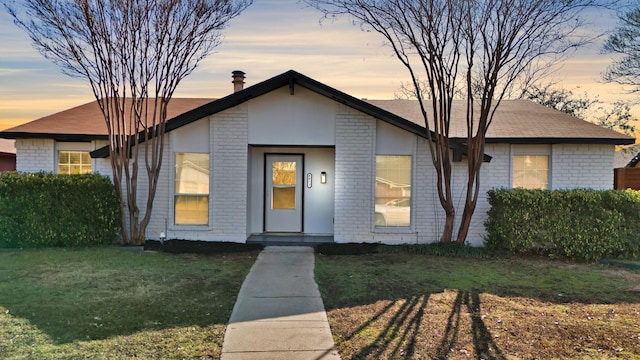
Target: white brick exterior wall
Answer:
[[228, 151], [355, 147], [102, 166], [163, 198], [428, 217], [582, 166], [229, 131], [495, 174], [571, 166], [34, 155]]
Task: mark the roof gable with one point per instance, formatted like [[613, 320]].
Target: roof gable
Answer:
[[292, 79]]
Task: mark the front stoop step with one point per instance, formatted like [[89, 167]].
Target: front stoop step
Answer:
[[278, 239]]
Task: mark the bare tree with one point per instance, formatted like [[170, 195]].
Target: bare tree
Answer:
[[133, 53], [625, 41], [480, 50], [615, 116], [560, 99]]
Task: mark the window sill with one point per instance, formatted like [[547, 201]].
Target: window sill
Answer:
[[393, 230], [190, 228]]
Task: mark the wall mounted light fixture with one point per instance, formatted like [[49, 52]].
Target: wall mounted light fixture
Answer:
[[323, 177]]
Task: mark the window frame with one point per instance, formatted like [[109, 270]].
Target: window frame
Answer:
[[401, 198], [177, 194], [69, 164], [522, 150]]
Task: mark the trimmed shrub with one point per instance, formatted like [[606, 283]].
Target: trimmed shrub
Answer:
[[49, 210], [579, 224]]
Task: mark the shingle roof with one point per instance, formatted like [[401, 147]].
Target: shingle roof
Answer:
[[84, 122], [517, 121], [626, 156]]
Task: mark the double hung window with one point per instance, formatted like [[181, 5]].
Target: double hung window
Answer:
[[531, 171], [191, 202], [393, 191]]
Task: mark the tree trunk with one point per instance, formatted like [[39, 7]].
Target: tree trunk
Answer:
[[465, 222], [450, 216], [475, 146]]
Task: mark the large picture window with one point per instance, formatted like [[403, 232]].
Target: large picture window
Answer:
[[191, 206], [531, 171], [74, 162], [393, 191]]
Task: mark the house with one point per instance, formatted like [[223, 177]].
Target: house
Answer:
[[291, 155], [627, 157], [7, 155], [626, 172]]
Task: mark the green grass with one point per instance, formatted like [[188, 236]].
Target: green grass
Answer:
[[400, 305], [109, 303], [387, 276]]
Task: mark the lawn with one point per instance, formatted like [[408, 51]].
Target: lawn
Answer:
[[109, 303], [404, 306]]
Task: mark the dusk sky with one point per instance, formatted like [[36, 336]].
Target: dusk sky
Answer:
[[269, 38]]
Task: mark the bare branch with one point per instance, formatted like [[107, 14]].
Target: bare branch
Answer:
[[478, 50], [133, 54]]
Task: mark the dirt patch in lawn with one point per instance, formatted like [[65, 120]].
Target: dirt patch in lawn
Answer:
[[460, 325], [401, 307]]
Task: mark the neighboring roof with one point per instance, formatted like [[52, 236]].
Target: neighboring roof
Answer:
[[627, 157], [7, 146], [84, 122], [518, 122]]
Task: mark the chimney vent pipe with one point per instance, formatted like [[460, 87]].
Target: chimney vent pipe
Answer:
[[238, 80]]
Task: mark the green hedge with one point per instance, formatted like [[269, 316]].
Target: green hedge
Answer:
[[47, 210], [578, 224]]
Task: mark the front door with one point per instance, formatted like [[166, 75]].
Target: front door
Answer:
[[283, 193]]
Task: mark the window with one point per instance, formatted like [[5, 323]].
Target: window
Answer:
[[191, 206], [531, 171], [74, 162], [283, 182], [393, 191]]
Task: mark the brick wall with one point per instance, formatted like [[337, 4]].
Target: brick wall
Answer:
[[428, 217], [354, 174], [355, 167], [33, 155], [101, 166], [229, 131], [163, 197], [582, 166], [572, 166], [494, 174], [228, 196]]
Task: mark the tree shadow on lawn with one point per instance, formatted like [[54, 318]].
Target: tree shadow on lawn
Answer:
[[74, 299], [394, 307], [400, 336]]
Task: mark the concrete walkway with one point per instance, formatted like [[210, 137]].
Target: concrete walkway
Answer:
[[279, 313]]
